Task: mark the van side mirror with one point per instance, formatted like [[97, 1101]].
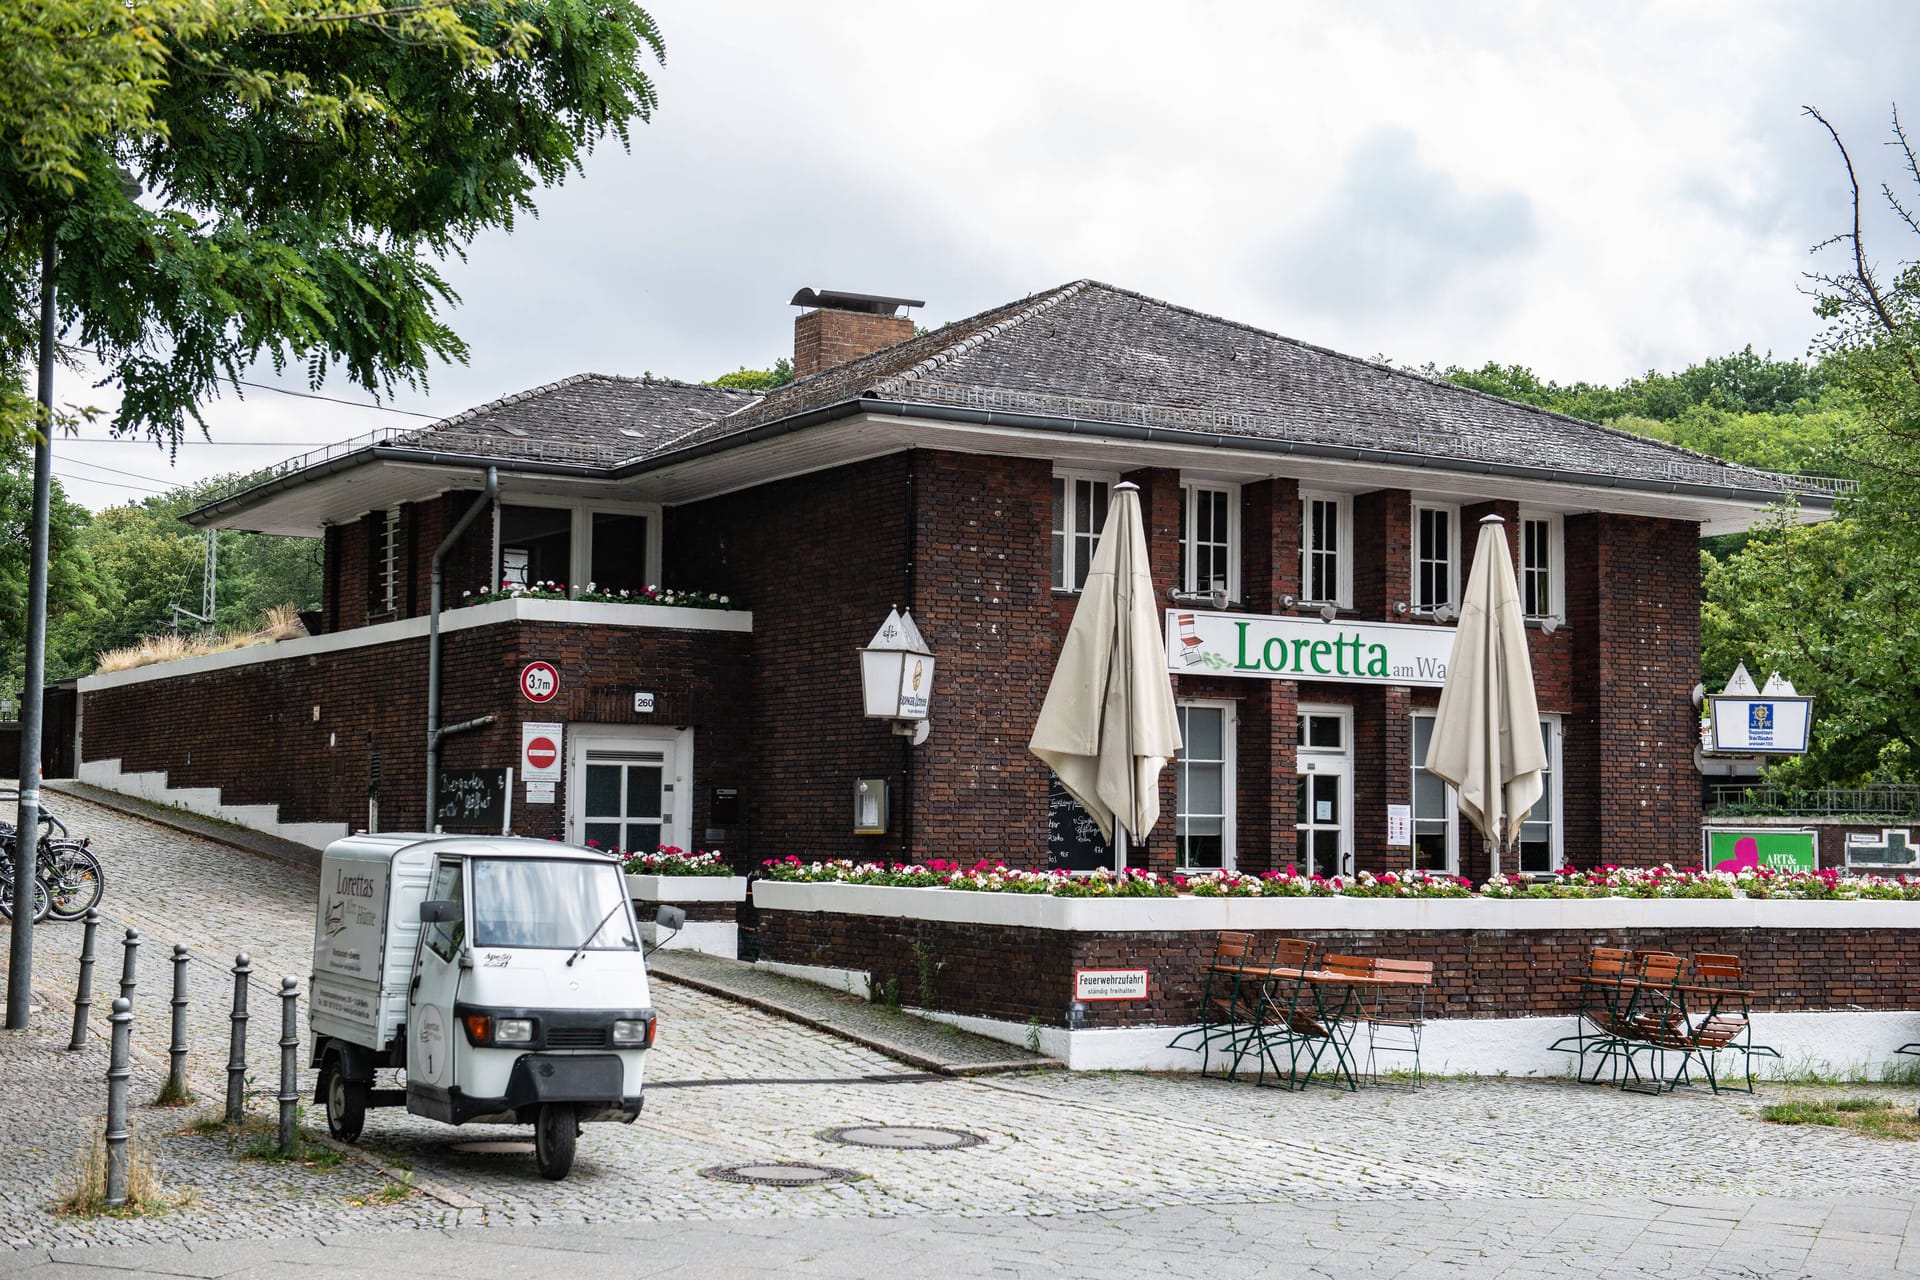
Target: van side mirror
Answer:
[[440, 911], [670, 918]]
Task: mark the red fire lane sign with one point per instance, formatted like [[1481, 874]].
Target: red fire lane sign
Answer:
[[539, 681]]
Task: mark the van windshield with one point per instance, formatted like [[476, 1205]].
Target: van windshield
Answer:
[[536, 902]]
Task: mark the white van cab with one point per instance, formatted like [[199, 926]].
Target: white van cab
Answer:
[[505, 976]]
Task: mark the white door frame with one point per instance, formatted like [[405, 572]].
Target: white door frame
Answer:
[[587, 739], [1322, 761]]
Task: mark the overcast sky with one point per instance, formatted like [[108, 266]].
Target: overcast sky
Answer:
[[1589, 190]]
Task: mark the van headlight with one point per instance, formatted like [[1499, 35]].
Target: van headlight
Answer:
[[513, 1031], [633, 1033]]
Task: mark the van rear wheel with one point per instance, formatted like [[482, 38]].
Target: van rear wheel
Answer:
[[346, 1103], [554, 1131]]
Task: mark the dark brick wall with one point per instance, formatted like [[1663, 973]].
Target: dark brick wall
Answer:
[[825, 338], [1015, 974], [257, 739]]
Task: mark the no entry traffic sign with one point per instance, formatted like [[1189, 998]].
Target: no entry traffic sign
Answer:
[[540, 752], [539, 681]]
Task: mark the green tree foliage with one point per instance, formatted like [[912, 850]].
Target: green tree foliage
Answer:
[[77, 599], [1833, 605], [306, 163], [745, 379]]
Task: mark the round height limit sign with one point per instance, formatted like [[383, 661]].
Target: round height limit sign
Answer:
[[539, 681]]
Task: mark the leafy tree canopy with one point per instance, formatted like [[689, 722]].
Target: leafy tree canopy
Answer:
[[304, 164], [745, 379]]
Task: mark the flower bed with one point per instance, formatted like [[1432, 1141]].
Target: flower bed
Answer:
[[670, 860], [1603, 882], [592, 594]]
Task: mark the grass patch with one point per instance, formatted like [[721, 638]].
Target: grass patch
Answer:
[[1871, 1117], [174, 1093], [391, 1193], [86, 1197]]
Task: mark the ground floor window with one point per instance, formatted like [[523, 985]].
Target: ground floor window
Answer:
[[1540, 833], [1203, 821], [1435, 808]]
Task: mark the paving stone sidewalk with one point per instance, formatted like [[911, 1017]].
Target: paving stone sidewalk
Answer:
[[1077, 1173], [916, 1041]]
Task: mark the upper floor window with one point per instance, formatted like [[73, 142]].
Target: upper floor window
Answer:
[[574, 545], [383, 581], [1079, 513], [1435, 556], [1326, 532], [1210, 539], [1541, 591]]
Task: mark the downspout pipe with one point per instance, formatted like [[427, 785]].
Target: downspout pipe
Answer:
[[435, 733]]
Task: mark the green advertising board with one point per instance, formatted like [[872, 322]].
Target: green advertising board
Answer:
[[1736, 849]]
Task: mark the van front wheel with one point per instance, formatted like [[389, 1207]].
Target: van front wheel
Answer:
[[346, 1103], [554, 1131]]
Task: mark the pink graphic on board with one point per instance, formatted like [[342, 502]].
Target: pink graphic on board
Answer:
[[1746, 856]]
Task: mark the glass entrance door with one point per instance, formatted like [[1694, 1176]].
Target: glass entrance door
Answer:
[[628, 803], [1323, 822]]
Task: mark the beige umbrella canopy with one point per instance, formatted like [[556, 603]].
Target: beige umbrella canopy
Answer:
[[1486, 734], [1108, 725]]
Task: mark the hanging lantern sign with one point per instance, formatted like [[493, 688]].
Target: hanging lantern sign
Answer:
[[896, 671]]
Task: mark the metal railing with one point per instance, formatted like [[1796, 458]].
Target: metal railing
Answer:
[[1731, 799]]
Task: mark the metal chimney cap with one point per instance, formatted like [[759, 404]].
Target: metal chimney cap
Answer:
[[869, 303]]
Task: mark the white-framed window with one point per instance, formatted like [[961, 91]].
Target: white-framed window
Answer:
[[1326, 558], [1540, 834], [611, 545], [1436, 812], [386, 567], [1542, 589], [1203, 770], [1210, 538], [1079, 513], [1436, 555]]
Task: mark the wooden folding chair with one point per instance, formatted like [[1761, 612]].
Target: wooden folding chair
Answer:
[[1724, 1023], [1399, 1014], [1228, 1001], [1600, 1025]]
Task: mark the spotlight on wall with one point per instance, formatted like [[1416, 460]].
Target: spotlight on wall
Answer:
[[1214, 599], [1445, 613], [1287, 602], [1549, 624], [1402, 608], [1329, 613]]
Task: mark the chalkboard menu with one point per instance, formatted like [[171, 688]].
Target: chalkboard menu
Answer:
[[1073, 839], [473, 799]]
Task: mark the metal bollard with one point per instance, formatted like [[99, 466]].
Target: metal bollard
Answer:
[[119, 1072], [289, 1045], [237, 1049], [129, 964], [175, 1089], [83, 998]]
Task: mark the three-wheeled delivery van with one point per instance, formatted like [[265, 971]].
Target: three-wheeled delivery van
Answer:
[[504, 976]]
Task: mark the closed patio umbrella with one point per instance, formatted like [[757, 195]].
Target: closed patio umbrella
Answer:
[[1486, 734], [1108, 725]]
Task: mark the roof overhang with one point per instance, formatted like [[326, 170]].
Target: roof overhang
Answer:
[[341, 489]]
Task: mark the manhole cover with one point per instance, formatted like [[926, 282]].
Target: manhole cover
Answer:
[[779, 1173], [904, 1137], [507, 1147]]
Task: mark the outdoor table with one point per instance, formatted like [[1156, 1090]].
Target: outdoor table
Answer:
[[1315, 1008]]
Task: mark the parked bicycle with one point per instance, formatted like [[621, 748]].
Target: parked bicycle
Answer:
[[68, 878]]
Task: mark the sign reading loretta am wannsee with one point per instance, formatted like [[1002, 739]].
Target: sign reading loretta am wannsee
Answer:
[[1259, 646]]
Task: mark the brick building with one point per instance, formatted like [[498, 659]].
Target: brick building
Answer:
[[963, 475]]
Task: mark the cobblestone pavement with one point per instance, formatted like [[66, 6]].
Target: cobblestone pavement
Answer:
[[1543, 1177]]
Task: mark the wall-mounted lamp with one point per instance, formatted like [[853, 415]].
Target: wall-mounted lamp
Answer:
[[1401, 608], [870, 807], [1214, 599], [1445, 613], [1287, 602], [1549, 624], [896, 676], [1329, 613]]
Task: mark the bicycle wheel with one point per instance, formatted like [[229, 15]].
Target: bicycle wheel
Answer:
[[74, 878], [40, 899]]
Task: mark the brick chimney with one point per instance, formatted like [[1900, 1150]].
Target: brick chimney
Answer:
[[845, 326]]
